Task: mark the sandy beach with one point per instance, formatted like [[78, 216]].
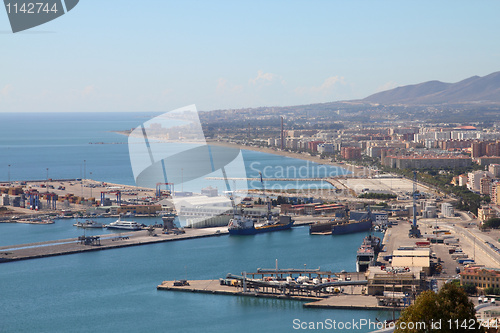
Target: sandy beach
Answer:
[[356, 170]]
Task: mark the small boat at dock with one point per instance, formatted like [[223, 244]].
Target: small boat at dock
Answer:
[[89, 224]]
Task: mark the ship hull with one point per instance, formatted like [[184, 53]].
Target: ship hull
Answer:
[[349, 228], [260, 230], [367, 253]]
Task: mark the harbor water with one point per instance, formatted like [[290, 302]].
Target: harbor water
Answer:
[[115, 290]]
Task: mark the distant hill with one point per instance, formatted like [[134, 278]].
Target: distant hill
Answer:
[[475, 89]]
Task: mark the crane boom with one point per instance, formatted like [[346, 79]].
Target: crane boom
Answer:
[[268, 200]]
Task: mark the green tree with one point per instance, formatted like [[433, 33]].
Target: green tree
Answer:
[[450, 304], [492, 291], [470, 288], [492, 223]]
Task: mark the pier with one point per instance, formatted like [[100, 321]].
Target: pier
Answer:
[[97, 243], [343, 300]]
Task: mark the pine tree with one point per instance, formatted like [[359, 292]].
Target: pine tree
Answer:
[[451, 309]]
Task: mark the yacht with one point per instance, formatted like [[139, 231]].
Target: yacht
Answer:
[[125, 225]]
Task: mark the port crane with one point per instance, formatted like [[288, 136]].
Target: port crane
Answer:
[[268, 200], [414, 231], [116, 192], [158, 189]]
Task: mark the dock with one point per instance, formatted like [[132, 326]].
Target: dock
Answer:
[[338, 301], [108, 241], [98, 243]]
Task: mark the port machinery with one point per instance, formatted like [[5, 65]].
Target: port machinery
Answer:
[[51, 200], [116, 192], [159, 193], [34, 199], [33, 196], [414, 231]]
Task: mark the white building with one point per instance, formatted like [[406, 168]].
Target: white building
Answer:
[[210, 191], [447, 209], [494, 169], [463, 135], [474, 179]]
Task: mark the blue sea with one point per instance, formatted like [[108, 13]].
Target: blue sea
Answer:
[[115, 290]]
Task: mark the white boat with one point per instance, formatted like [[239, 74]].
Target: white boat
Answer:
[[125, 225]]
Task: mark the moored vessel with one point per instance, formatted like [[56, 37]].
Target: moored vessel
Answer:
[[125, 225], [367, 253], [351, 226], [89, 224], [241, 225]]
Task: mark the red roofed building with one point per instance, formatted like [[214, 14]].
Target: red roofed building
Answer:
[[313, 145], [480, 277]]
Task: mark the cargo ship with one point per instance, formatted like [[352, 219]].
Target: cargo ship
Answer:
[[352, 226], [241, 225], [341, 226], [367, 253], [322, 228]]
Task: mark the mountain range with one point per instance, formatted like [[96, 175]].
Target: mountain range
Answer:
[[473, 90]]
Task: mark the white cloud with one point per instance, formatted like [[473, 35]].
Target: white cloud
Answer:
[[263, 78], [6, 90], [224, 86], [166, 92], [329, 86], [88, 90]]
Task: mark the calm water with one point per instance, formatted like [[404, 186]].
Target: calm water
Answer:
[[33, 142], [115, 290]]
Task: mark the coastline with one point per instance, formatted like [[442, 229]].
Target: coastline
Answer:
[[354, 171]]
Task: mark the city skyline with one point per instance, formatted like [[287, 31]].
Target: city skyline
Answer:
[[159, 56]]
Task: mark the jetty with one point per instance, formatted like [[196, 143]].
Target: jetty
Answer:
[[311, 299], [102, 242]]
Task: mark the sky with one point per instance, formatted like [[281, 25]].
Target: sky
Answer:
[[159, 55]]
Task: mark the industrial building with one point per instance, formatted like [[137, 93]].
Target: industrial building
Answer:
[[447, 209], [139, 209], [410, 280]]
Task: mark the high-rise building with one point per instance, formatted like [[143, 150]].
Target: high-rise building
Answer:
[[494, 169], [350, 153], [474, 179], [485, 148], [485, 187], [495, 193]]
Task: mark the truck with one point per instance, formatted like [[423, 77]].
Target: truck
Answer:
[[458, 255], [465, 261]]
